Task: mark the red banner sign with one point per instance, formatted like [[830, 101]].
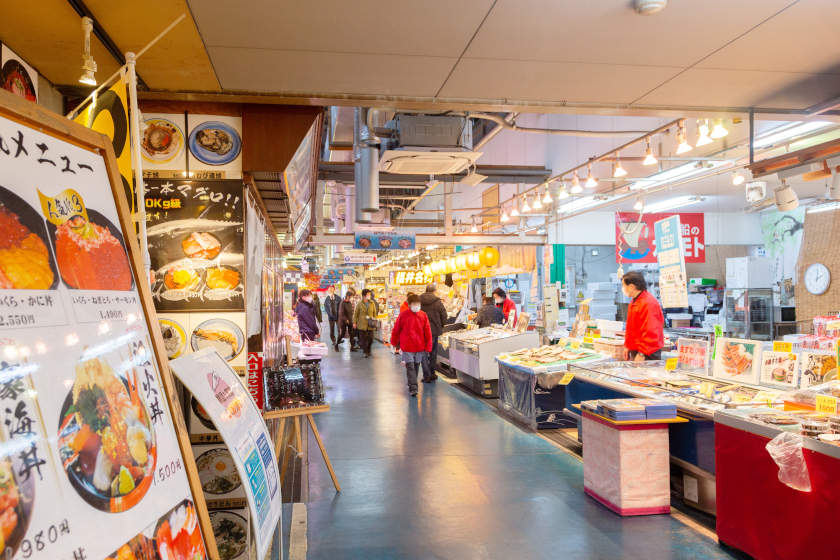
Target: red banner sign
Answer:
[[635, 241], [254, 379]]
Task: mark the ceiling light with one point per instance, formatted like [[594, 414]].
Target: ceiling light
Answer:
[[719, 131], [639, 205], [824, 207], [563, 193], [673, 203], [473, 229], [88, 64], [703, 134], [525, 206], [591, 183], [537, 202], [505, 218], [578, 204], [547, 198], [618, 171], [682, 144], [786, 199], [677, 173], [788, 131], [649, 157], [576, 183], [737, 179], [515, 212]]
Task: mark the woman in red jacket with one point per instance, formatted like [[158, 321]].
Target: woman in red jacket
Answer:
[[504, 303], [643, 335], [412, 335]]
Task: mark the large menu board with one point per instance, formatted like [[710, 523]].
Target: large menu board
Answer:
[[90, 463]]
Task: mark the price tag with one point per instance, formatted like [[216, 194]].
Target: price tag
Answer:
[[707, 389], [826, 404], [779, 346], [566, 379], [575, 344], [587, 340], [765, 397], [670, 364]]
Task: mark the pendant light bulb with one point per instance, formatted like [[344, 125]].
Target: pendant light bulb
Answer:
[[505, 218], [576, 188], [547, 198], [515, 212], [88, 64], [682, 144], [525, 206], [474, 228], [703, 134], [639, 205], [737, 179], [719, 131], [591, 183], [619, 171], [563, 193], [537, 202], [650, 159]]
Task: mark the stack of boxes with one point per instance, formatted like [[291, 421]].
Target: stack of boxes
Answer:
[[603, 304]]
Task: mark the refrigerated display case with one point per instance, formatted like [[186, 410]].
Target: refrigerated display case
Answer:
[[749, 313], [472, 355]]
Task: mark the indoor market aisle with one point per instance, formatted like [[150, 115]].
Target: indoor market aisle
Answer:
[[442, 476]]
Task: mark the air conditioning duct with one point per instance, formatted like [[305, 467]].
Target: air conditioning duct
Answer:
[[365, 164], [361, 216]]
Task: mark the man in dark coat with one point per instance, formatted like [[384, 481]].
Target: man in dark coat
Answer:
[[433, 307], [332, 305], [489, 314], [345, 320]]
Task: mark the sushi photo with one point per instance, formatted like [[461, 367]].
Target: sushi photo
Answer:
[[25, 260], [162, 140], [201, 245]]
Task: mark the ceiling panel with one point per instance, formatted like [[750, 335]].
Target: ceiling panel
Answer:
[[178, 61], [740, 88], [803, 38], [321, 72], [552, 81], [429, 28], [610, 31]]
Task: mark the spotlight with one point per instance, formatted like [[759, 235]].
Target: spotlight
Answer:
[[786, 199], [682, 144], [639, 205], [473, 229], [591, 183], [737, 179], [703, 134], [547, 198], [525, 206], [576, 188], [719, 131], [537, 202], [619, 171], [563, 193], [515, 212], [88, 64], [649, 157], [505, 218]]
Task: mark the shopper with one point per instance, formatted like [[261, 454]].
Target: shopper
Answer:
[[504, 303], [643, 335], [433, 307], [363, 320], [316, 302], [307, 322], [345, 320], [412, 335], [332, 305], [404, 305], [489, 314]]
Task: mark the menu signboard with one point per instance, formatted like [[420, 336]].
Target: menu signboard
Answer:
[[673, 284], [195, 231], [89, 454]]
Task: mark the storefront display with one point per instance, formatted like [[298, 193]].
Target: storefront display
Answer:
[[472, 355]]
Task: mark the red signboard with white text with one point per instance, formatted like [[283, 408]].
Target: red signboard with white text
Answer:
[[635, 241]]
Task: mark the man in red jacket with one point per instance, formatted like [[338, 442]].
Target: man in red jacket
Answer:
[[643, 336], [412, 335]]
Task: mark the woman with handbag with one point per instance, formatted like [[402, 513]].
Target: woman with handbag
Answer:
[[364, 320]]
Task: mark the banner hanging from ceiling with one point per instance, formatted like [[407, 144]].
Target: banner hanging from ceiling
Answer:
[[673, 284], [635, 239], [385, 240]]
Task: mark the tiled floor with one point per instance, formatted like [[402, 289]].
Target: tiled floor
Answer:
[[442, 476]]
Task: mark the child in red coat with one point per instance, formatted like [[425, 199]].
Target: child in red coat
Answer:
[[412, 335]]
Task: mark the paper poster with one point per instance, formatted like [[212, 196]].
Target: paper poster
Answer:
[[219, 478], [782, 232], [163, 145], [673, 284], [87, 443], [636, 240], [779, 368], [196, 234], [255, 240], [214, 143], [737, 360], [223, 331], [17, 76], [220, 391], [175, 331], [692, 354], [232, 533], [384, 240], [817, 368]]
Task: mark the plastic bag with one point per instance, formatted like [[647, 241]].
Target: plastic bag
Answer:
[[786, 451]]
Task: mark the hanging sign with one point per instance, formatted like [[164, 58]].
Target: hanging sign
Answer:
[[635, 239], [673, 286], [384, 240], [90, 458], [220, 392], [409, 278], [359, 257]]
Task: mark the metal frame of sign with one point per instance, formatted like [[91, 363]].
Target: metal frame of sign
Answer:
[[30, 114]]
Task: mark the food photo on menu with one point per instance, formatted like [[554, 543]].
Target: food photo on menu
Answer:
[[25, 260], [175, 536], [195, 233]]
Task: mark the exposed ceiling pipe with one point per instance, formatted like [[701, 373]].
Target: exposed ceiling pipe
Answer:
[[504, 123], [366, 167]]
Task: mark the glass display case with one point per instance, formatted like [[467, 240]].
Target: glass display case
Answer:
[[749, 313]]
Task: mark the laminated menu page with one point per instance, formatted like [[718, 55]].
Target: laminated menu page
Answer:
[[90, 464]]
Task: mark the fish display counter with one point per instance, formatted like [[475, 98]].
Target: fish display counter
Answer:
[[472, 355]]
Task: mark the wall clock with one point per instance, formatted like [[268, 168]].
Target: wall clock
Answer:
[[817, 279]]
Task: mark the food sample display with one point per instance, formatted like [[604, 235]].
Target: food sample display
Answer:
[[222, 334], [215, 143], [162, 140], [549, 357]]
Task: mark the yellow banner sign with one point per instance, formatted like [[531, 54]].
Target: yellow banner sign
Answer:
[[826, 404], [780, 346], [63, 207]]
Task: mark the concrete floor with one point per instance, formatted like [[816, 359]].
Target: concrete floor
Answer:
[[442, 476]]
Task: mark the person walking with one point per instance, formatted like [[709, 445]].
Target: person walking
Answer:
[[489, 314], [345, 321], [505, 304], [412, 336], [404, 304], [363, 320], [643, 334], [307, 321], [434, 309], [332, 305]]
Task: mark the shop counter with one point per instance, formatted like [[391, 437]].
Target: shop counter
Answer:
[[472, 355], [759, 515]]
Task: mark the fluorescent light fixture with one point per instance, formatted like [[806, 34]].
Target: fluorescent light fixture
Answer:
[[788, 131], [703, 134], [547, 198], [719, 131], [675, 174], [650, 159], [737, 179], [578, 204], [673, 203], [619, 171], [591, 183], [824, 207], [525, 206]]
